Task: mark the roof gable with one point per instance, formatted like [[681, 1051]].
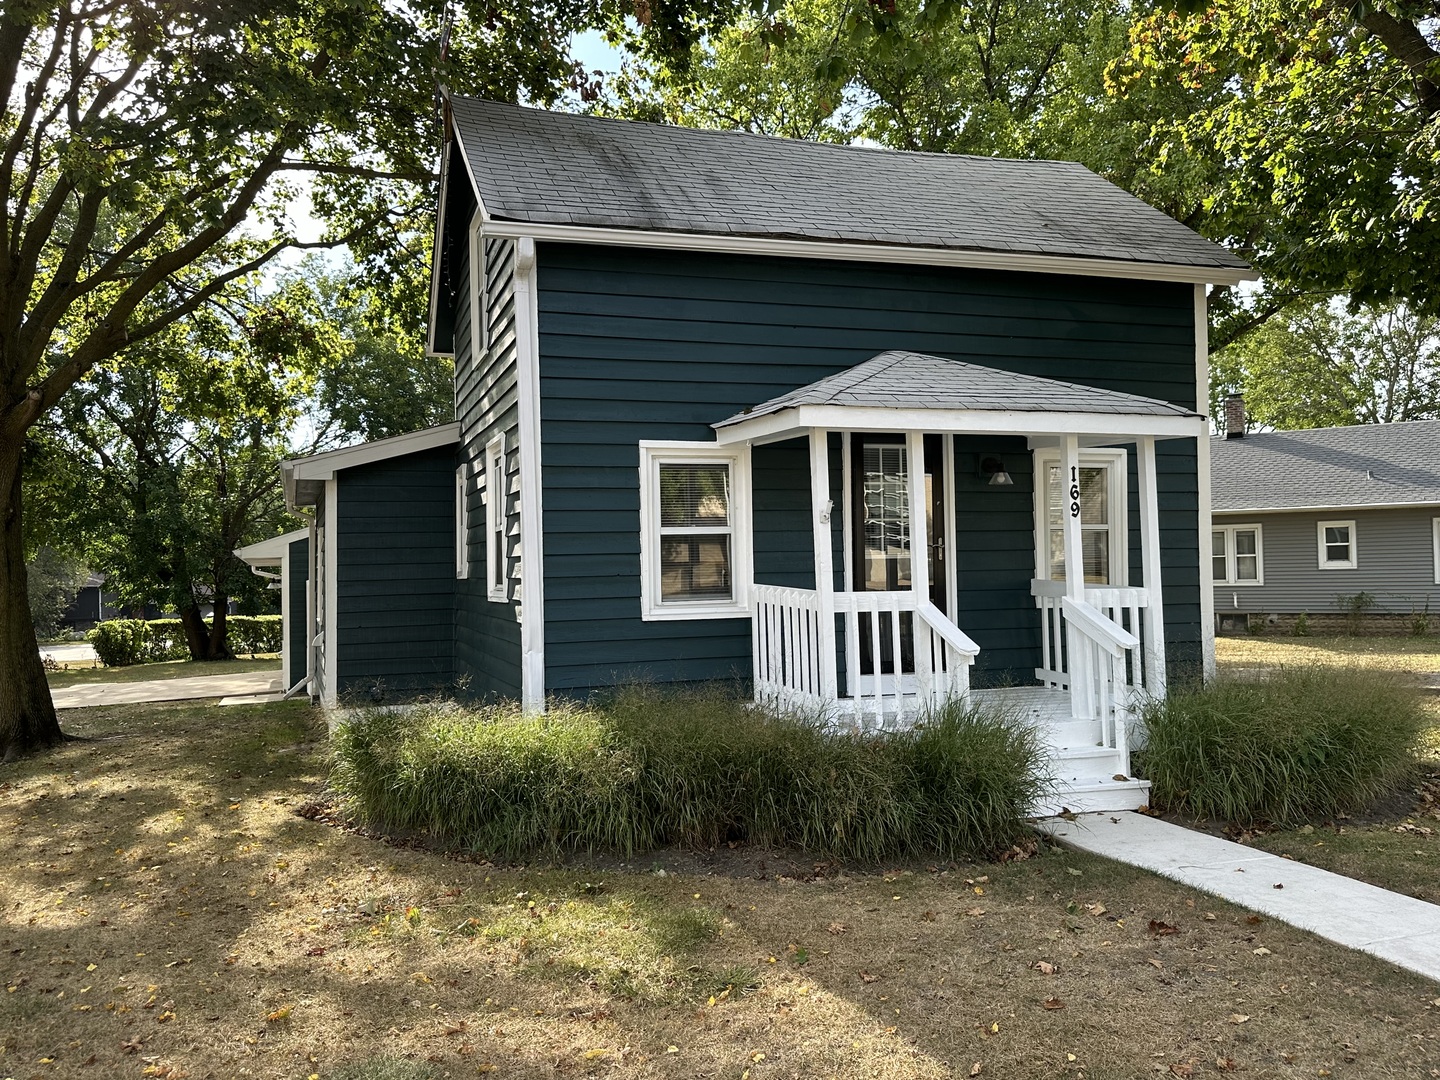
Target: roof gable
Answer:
[[1363, 465], [547, 168]]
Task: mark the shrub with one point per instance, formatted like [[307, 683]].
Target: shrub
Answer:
[[1299, 744], [653, 769], [119, 642]]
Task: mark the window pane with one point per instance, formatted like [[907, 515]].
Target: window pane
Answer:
[[1094, 497], [1337, 534], [1245, 542], [1337, 552], [694, 495], [695, 568], [1217, 550], [1247, 568], [1217, 567], [1217, 544], [1057, 555], [1095, 549], [1052, 497], [886, 507]]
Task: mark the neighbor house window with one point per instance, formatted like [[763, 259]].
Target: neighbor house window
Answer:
[[1103, 546], [495, 520], [479, 315], [1237, 554], [694, 533], [462, 521], [1336, 540], [1435, 544]]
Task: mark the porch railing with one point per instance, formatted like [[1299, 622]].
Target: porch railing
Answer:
[[917, 657], [1128, 608]]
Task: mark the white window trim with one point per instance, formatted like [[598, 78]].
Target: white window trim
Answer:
[[479, 293], [1435, 542], [462, 523], [1231, 557], [1117, 460], [737, 458], [495, 519], [1333, 564]]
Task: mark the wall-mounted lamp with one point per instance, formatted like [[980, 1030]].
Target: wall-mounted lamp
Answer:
[[993, 468]]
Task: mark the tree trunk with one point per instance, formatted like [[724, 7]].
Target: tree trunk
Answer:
[[27, 715], [197, 636], [220, 629]]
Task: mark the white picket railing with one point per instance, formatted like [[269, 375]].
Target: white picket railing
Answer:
[[787, 644], [1128, 608], [937, 670], [794, 658]]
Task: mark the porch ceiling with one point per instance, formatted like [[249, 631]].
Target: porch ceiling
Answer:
[[907, 391]]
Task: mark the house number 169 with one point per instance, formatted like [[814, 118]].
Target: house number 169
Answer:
[[1074, 492]]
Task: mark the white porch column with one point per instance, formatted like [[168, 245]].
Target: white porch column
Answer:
[[919, 538], [1154, 643], [822, 509], [1077, 646]]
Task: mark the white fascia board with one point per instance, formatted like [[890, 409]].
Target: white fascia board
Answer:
[[474, 187], [851, 251], [270, 552], [1327, 508], [790, 423], [436, 252], [325, 466]]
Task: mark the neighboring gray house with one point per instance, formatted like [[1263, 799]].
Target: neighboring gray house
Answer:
[[1305, 521]]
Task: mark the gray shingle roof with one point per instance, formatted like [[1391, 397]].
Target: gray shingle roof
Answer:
[[908, 380], [1365, 465], [535, 166]]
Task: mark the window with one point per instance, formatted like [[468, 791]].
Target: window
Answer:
[[479, 315], [495, 583], [694, 532], [1236, 551], [1336, 541], [1435, 541], [462, 522], [1103, 544]]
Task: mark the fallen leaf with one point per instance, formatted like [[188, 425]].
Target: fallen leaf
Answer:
[[836, 928], [1254, 920], [1180, 1069], [1238, 1018], [1210, 916], [1162, 929], [672, 1049], [1044, 967], [1097, 909], [278, 1015], [975, 1069], [1155, 964], [1261, 951], [866, 977], [1053, 1003], [975, 912], [1225, 1064], [1277, 885]]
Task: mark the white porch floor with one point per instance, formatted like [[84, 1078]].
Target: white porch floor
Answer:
[[1087, 774]]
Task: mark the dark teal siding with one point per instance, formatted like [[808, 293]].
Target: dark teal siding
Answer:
[[297, 634], [395, 574], [659, 345]]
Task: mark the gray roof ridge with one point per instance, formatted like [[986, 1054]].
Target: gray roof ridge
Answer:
[[1385, 424]]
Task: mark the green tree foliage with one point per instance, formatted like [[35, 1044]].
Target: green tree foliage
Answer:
[[139, 139], [1323, 120], [54, 580], [1317, 365]]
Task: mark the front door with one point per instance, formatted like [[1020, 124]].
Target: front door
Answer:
[[881, 540]]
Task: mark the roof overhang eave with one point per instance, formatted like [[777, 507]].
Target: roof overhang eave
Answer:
[[794, 422], [853, 251], [304, 478]]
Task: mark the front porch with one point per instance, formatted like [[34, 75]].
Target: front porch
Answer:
[[882, 637]]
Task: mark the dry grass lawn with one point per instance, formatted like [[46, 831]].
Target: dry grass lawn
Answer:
[[1419, 655], [167, 913], [85, 672]]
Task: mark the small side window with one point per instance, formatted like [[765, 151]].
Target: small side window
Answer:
[[462, 526], [479, 299], [497, 585], [1337, 546], [1238, 555]]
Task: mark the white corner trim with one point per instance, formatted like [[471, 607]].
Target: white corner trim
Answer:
[[532, 518], [1202, 481], [851, 251], [437, 254], [332, 588], [653, 453]]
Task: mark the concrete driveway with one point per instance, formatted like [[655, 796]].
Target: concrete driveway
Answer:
[[194, 688]]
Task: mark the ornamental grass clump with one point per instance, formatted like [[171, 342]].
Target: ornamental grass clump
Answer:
[[652, 769], [1294, 745]]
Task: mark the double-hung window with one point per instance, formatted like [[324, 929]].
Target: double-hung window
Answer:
[[694, 531], [1336, 543], [496, 585], [1103, 537], [1237, 555], [462, 522]]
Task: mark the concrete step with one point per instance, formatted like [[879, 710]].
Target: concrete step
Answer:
[[1094, 795], [1068, 734]]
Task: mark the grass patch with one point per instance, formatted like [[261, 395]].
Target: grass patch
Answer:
[[654, 769], [1299, 744], [1407, 654], [166, 853], [85, 672]]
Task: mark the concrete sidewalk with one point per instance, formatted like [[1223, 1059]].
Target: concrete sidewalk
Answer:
[[87, 695], [1397, 928]]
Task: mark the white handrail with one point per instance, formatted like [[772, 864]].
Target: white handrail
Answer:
[[956, 638], [1105, 632]]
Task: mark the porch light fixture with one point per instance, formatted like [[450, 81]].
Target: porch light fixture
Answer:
[[994, 468]]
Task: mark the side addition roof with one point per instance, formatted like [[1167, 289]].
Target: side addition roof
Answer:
[[559, 169], [304, 478], [955, 396], [1367, 465]]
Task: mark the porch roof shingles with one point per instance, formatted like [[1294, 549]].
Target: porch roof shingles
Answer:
[[540, 167], [909, 380]]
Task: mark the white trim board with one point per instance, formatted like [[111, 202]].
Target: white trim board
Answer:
[[1202, 483], [532, 520], [323, 467], [789, 423], [851, 251], [272, 551], [437, 254], [1328, 508]]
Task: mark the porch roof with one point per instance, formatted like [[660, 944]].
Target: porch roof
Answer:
[[900, 391]]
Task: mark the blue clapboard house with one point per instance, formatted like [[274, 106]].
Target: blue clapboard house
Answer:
[[855, 429]]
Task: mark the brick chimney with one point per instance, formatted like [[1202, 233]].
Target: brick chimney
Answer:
[[1235, 416]]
